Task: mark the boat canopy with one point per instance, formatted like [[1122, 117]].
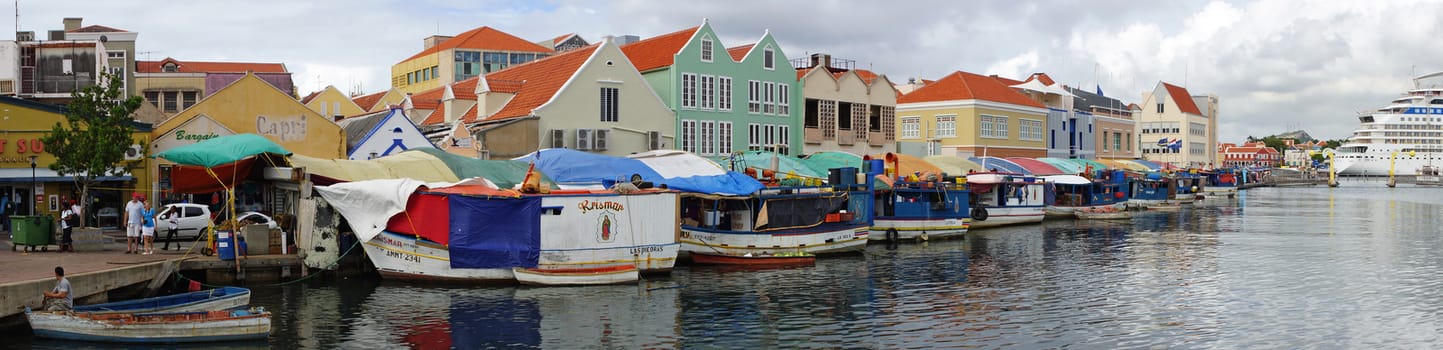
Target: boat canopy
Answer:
[[1067, 180], [1084, 163], [823, 162], [687, 172], [405, 165], [1000, 164], [1063, 164], [1036, 167], [221, 150], [953, 165], [909, 165], [577, 168]]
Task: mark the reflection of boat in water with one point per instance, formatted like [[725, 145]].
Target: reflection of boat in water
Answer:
[[1098, 214], [779, 259], [1428, 175]]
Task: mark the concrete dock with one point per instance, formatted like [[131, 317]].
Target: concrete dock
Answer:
[[99, 276]]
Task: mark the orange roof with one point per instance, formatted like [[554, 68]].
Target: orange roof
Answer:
[[307, 99], [437, 116], [542, 79], [561, 38], [1005, 81], [1182, 98], [1046, 80], [866, 75], [96, 29], [740, 52], [369, 100], [429, 99], [484, 38], [967, 86], [658, 51], [208, 67], [470, 115]]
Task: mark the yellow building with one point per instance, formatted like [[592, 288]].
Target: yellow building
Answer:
[[379, 101], [332, 103], [22, 124], [1177, 127], [250, 105], [965, 114], [444, 59]]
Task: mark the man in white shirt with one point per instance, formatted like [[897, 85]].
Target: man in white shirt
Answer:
[[133, 220], [68, 220]]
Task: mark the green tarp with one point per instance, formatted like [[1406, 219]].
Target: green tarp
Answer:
[[761, 160], [821, 162], [221, 150], [504, 173]]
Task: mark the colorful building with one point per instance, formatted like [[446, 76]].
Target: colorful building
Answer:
[[726, 100], [1178, 128], [119, 48], [846, 109], [43, 190], [173, 85], [965, 114], [381, 100], [332, 103], [1250, 154], [1070, 132], [589, 99], [444, 60], [1112, 120], [381, 134], [50, 68]]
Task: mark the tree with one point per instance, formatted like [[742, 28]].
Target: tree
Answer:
[[97, 130]]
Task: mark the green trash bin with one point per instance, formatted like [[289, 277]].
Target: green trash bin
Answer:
[[32, 231]]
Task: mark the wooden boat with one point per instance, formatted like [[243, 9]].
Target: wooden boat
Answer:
[[1165, 206], [1074, 193], [778, 259], [615, 274], [1103, 215], [178, 327], [215, 299]]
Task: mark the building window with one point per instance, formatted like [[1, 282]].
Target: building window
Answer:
[[911, 127], [1159, 107], [724, 88], [769, 96], [754, 136], [784, 100], [688, 135], [1029, 130], [724, 138], [707, 142], [1129, 142], [770, 137], [946, 126], [609, 104], [1117, 141], [468, 64], [994, 126], [494, 61], [768, 58], [115, 54], [688, 90], [168, 103], [888, 118], [754, 102], [706, 49], [1198, 129], [784, 138], [170, 68], [708, 92]]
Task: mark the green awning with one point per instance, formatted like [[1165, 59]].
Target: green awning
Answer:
[[221, 150]]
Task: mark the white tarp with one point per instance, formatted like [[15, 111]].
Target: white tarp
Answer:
[[673, 164], [369, 205], [1067, 179]]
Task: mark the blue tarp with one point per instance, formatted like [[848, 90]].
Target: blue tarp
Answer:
[[565, 166], [495, 232], [1000, 164]]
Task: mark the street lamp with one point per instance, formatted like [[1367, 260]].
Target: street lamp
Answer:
[[32, 182]]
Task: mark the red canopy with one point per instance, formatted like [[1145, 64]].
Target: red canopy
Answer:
[[1036, 167], [195, 179]]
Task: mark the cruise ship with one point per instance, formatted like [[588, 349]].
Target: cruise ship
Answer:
[[1411, 123]]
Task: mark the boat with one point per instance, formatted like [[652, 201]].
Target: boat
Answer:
[[919, 209], [1374, 146], [1072, 193], [1428, 176], [784, 214], [1001, 199], [214, 299], [779, 259], [577, 276], [1151, 189], [1103, 214], [173, 327], [1221, 183], [471, 232]]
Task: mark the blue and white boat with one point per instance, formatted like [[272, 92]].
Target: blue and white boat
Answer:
[[215, 299], [172, 327], [1000, 199], [1072, 193], [921, 211]]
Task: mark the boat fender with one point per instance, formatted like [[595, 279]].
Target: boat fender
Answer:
[[922, 236], [979, 214], [892, 235]]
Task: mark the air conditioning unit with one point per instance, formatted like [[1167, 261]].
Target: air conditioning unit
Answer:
[[558, 138], [653, 140], [599, 139], [135, 152], [583, 139]]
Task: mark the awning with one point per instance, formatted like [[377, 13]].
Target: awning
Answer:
[[22, 175]]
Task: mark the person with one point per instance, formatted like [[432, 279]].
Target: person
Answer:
[[5, 212], [68, 219], [147, 227], [132, 223], [171, 217], [59, 298]]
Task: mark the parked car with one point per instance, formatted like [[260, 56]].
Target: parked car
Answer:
[[191, 219]]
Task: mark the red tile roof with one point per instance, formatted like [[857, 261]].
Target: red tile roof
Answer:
[[486, 38], [1005, 81], [658, 51], [968, 86], [308, 98], [208, 67], [542, 79], [561, 38], [1182, 98], [1046, 80], [429, 99], [866, 75], [470, 115], [369, 100], [740, 52], [96, 29], [437, 116]]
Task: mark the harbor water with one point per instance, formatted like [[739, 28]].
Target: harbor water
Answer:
[[1351, 267]]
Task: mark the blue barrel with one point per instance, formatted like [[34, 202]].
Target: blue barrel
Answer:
[[224, 245], [874, 167], [849, 175]]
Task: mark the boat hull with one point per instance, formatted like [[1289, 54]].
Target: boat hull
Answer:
[[577, 277], [1005, 216], [1071, 211], [1120, 215], [918, 228], [722, 259], [825, 239], [149, 328], [206, 300]]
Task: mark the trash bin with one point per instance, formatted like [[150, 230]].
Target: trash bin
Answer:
[[223, 248], [32, 231]]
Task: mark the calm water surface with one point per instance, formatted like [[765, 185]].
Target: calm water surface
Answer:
[[1351, 267]]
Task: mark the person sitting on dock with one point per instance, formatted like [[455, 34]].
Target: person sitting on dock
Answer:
[[59, 298]]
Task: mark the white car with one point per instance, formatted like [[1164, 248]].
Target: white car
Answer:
[[191, 220], [258, 218]]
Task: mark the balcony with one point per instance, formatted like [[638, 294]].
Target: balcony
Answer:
[[875, 138], [812, 135], [846, 138]]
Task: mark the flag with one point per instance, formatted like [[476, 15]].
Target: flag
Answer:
[[1099, 90], [1162, 142], [1176, 144]]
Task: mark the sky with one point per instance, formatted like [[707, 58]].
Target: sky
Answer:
[[1275, 66]]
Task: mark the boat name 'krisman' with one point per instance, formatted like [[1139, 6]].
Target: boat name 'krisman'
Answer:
[[587, 205]]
